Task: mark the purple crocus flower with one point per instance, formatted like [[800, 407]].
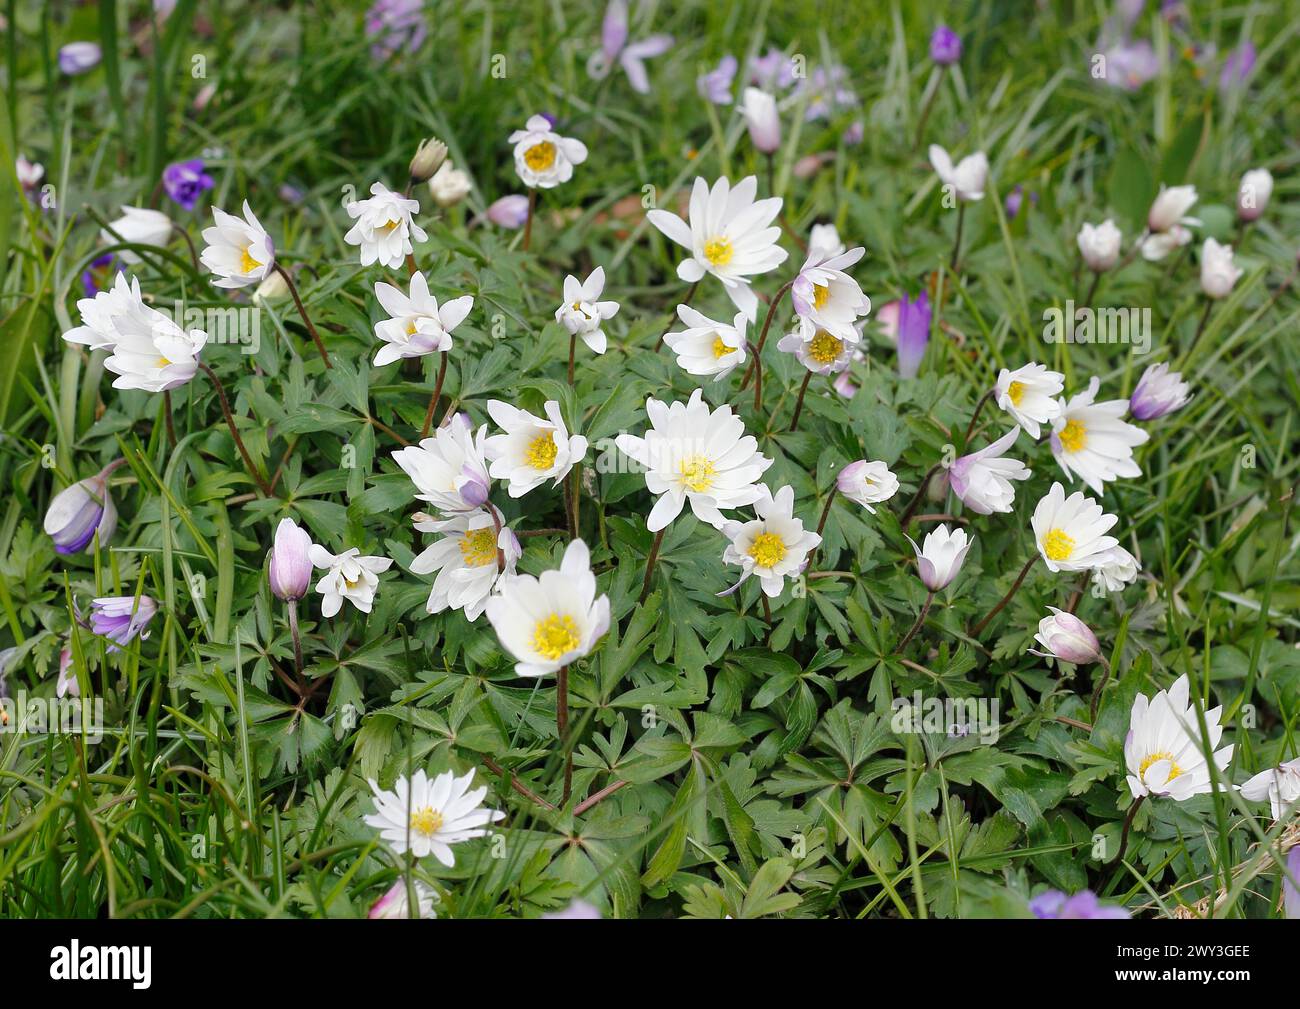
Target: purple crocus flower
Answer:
[[716, 84], [96, 277], [77, 511], [913, 333], [186, 181], [121, 618], [394, 26], [78, 57], [1083, 905], [1237, 67], [945, 46]]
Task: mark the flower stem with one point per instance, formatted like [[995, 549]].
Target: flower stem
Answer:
[[167, 418], [1092, 290], [933, 93], [970, 428], [1101, 685], [194, 256], [1200, 330], [562, 728], [920, 619], [234, 432], [433, 400], [956, 244], [821, 524], [528, 224], [975, 631], [798, 405], [650, 563], [672, 315], [762, 338], [302, 311], [758, 378], [1123, 839], [920, 492], [292, 605], [573, 346]]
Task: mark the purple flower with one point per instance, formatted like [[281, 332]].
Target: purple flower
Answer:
[[854, 133], [827, 90], [395, 25], [509, 211], [1290, 882], [1084, 904], [771, 70], [1013, 201], [76, 512], [95, 277], [945, 46], [78, 57], [913, 333], [716, 84], [291, 194], [1159, 391], [614, 47], [186, 181], [291, 567], [1129, 65], [1237, 67], [121, 618]]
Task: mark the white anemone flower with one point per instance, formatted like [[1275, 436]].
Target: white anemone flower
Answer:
[[967, 178], [828, 297], [476, 551], [867, 483], [1029, 395], [771, 548], [1092, 440], [819, 350], [729, 235], [348, 575], [532, 450], [543, 158], [553, 620], [1119, 569], [427, 817], [384, 227], [417, 325], [983, 479], [940, 556], [695, 454], [396, 902], [1157, 246], [1070, 533], [1279, 785], [449, 468], [239, 252], [583, 312], [1164, 751], [139, 226], [707, 347]]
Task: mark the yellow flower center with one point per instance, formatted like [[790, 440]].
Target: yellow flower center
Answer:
[[718, 251], [554, 636], [768, 550], [720, 349], [541, 451], [1174, 769], [427, 821], [410, 328], [247, 264], [351, 583], [821, 294], [1016, 392], [478, 547], [162, 362], [697, 473], [1073, 436], [541, 156], [1058, 545], [824, 348], [388, 227]]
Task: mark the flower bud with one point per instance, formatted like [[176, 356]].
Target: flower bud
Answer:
[[509, 211], [429, 157], [1159, 391], [759, 111], [1099, 245], [1067, 638], [291, 567], [449, 185], [1218, 273], [1253, 194], [867, 483], [272, 288], [940, 557], [78, 511], [1170, 207]]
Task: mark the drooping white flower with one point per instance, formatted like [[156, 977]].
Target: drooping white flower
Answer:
[[1159, 391], [758, 108], [1067, 638], [543, 158], [81, 510], [1279, 785], [449, 185], [967, 178], [1070, 533], [1253, 193], [941, 555], [583, 312], [384, 227], [696, 455], [417, 325], [1170, 207], [1157, 246], [867, 483], [707, 347], [239, 252], [1164, 751], [553, 620], [139, 226], [348, 575], [449, 468], [824, 242], [1093, 440], [1029, 395], [827, 296], [532, 450], [983, 479], [1118, 569], [1100, 245], [772, 547], [396, 902], [819, 350], [728, 235], [427, 817], [1218, 272], [470, 559]]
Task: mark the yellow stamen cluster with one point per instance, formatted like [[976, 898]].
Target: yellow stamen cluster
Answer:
[[697, 473], [247, 264], [555, 635], [540, 156], [720, 349], [1016, 392], [821, 295], [478, 547], [541, 451], [824, 348], [718, 251], [1073, 436], [768, 550], [1147, 761], [388, 227], [1058, 545], [427, 821]]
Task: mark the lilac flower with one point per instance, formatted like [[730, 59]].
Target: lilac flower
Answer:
[[1237, 67], [913, 333], [78, 57], [186, 181], [81, 509], [1159, 391], [291, 194], [291, 567], [394, 26], [771, 70], [854, 133], [509, 211], [97, 276], [945, 46], [716, 84], [1129, 65], [614, 47], [121, 618], [1084, 904], [1013, 202], [828, 92]]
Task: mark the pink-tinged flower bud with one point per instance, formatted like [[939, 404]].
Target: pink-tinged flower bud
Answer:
[[67, 683], [1253, 194], [396, 903], [1170, 207], [428, 158], [474, 490], [762, 119], [940, 557], [509, 211], [945, 46], [867, 483], [1159, 391], [78, 511], [291, 565], [121, 619], [1067, 638], [1218, 272]]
